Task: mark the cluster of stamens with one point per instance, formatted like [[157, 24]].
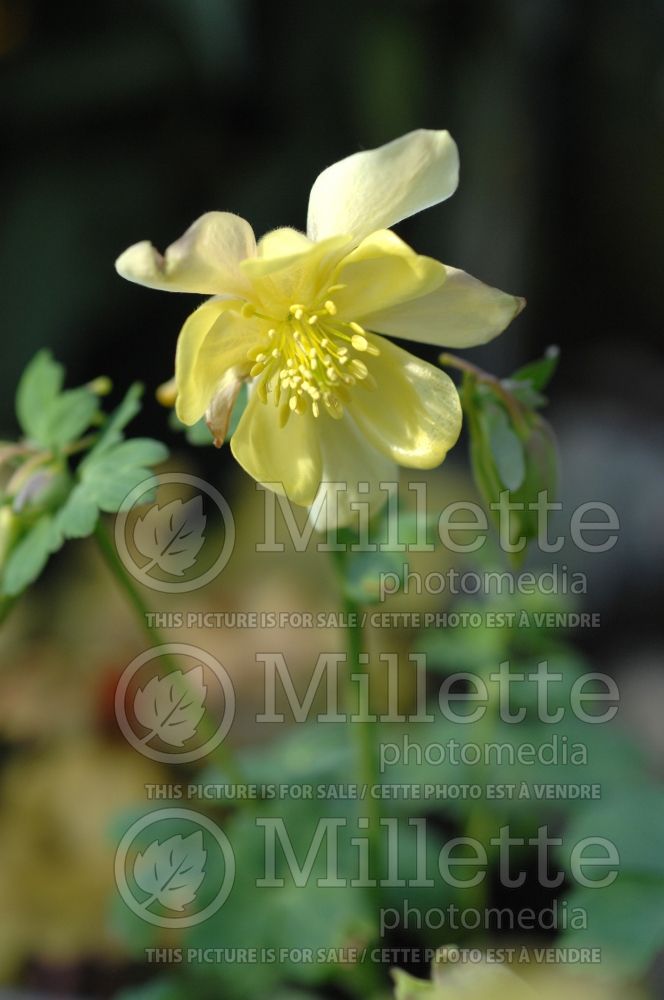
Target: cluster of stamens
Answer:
[[311, 360]]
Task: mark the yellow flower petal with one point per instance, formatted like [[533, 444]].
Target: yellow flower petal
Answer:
[[300, 275], [287, 458], [205, 260], [283, 242], [376, 188], [383, 271], [348, 459], [414, 415], [212, 340], [461, 312]]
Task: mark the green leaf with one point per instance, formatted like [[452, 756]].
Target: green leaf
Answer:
[[625, 920], [111, 475], [47, 415], [291, 916], [70, 416], [112, 430], [516, 457], [365, 572], [539, 373], [28, 558], [77, 518], [124, 454], [37, 391], [639, 843], [506, 446]]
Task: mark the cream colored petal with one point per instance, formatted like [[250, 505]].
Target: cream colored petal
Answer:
[[462, 312], [283, 242], [376, 188], [352, 471], [286, 459], [298, 276], [382, 271], [205, 260], [414, 414], [213, 340]]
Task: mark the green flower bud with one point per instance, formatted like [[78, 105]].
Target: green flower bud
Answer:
[[36, 489]]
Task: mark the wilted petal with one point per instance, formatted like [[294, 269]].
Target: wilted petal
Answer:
[[287, 459], [414, 415], [205, 260], [220, 407], [461, 312], [376, 188], [213, 340]]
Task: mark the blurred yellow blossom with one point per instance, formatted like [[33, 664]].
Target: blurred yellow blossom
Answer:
[[453, 978]]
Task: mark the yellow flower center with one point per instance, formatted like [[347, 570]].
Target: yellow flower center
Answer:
[[311, 360]]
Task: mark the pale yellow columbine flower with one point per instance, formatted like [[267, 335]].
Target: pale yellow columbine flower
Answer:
[[299, 316]]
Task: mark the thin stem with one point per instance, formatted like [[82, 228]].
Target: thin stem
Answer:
[[363, 733], [468, 368], [365, 730], [131, 592], [6, 605], [157, 638]]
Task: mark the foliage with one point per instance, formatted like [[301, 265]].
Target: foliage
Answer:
[[72, 463]]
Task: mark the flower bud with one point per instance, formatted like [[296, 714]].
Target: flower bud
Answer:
[[38, 489]]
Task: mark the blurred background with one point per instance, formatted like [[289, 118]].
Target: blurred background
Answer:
[[127, 120]]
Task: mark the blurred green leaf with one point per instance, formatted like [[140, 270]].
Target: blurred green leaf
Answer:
[[112, 430], [625, 921], [47, 415], [111, 475], [70, 416], [506, 473], [30, 555], [506, 446], [539, 373], [37, 391], [78, 516]]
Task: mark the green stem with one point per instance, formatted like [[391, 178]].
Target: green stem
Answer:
[[512, 404], [131, 592], [6, 605], [366, 776], [157, 638], [365, 737], [363, 732]]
